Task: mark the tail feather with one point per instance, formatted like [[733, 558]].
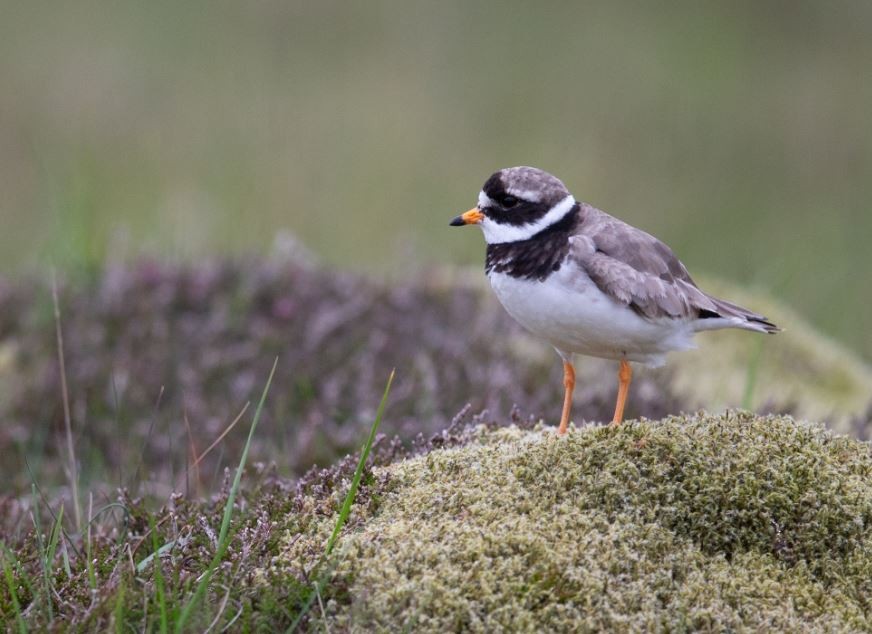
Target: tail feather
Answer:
[[730, 315]]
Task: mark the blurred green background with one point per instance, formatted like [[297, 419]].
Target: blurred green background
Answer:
[[739, 132]]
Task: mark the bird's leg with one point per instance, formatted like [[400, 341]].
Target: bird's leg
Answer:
[[625, 374], [569, 385]]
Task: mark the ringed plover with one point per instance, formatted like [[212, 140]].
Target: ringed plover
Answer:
[[589, 283]]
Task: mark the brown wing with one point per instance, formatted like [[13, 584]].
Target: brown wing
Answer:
[[638, 270]]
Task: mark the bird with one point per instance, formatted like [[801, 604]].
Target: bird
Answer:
[[589, 283]]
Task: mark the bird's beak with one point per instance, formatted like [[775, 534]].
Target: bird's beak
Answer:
[[471, 217]]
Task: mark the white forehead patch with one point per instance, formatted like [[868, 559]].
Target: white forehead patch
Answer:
[[529, 195], [485, 201], [496, 233]]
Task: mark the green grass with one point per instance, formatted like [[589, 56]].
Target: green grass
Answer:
[[224, 536], [160, 586], [358, 472], [48, 556], [118, 615], [116, 589], [320, 575], [6, 555]]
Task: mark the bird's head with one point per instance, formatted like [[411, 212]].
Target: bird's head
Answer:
[[516, 203]]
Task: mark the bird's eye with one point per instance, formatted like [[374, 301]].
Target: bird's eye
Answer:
[[509, 202]]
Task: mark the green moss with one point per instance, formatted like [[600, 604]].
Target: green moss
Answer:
[[707, 522]]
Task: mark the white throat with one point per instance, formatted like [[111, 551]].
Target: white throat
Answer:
[[496, 233]]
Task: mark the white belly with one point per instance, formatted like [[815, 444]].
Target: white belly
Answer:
[[571, 313]]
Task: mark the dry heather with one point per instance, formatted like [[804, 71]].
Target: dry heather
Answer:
[[152, 349]]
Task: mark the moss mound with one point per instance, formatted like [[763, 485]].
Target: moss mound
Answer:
[[707, 522]]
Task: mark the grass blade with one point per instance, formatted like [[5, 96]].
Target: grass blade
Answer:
[[89, 561], [160, 588], [40, 543], [118, 611], [35, 488], [347, 503], [358, 472], [156, 554], [10, 584], [53, 539], [223, 536]]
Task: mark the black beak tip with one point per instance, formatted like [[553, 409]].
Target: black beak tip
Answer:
[[457, 222]]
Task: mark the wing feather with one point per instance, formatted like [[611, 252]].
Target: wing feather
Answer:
[[637, 269]]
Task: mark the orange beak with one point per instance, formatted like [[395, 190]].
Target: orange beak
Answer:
[[471, 217]]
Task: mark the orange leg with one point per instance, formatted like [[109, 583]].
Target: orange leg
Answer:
[[625, 374], [569, 385]]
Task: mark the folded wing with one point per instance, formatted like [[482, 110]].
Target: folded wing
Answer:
[[638, 270]]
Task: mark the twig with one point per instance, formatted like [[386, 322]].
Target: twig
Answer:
[[74, 476], [220, 611], [192, 448], [221, 437]]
